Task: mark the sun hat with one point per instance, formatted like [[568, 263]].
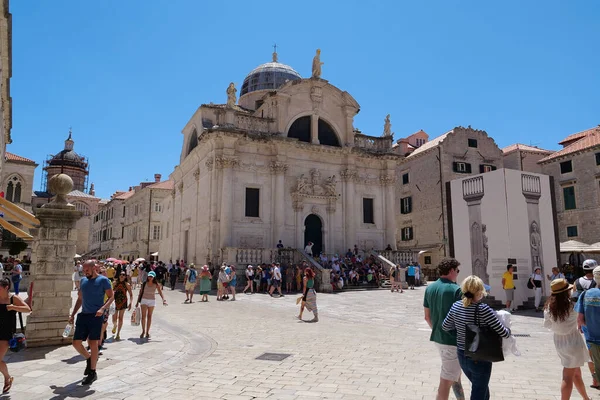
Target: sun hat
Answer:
[[589, 265], [249, 267], [192, 266], [560, 285], [152, 274], [205, 268]]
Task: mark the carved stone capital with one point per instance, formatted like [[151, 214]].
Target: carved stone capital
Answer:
[[209, 164], [386, 180], [349, 175], [180, 187], [226, 162], [278, 167], [197, 174]]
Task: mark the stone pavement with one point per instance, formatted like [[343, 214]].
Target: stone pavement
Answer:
[[368, 345]]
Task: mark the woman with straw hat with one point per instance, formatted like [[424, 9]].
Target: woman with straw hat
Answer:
[[561, 318], [205, 283]]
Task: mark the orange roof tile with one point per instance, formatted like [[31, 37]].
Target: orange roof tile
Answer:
[[589, 141], [168, 184], [524, 147], [577, 135], [14, 157], [125, 196]]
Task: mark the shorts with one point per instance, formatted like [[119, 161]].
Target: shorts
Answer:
[[88, 327], [411, 281], [148, 302], [276, 283], [451, 370], [134, 279], [189, 286], [220, 285], [510, 294], [269, 282]]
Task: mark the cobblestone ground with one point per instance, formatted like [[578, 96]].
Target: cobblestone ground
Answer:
[[368, 345]]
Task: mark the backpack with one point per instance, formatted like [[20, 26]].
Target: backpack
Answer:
[[192, 277], [579, 290]]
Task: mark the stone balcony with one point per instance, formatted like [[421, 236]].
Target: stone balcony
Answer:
[[373, 143]]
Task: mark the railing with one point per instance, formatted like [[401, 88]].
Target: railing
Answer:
[[252, 124], [397, 256], [373, 143], [241, 258]]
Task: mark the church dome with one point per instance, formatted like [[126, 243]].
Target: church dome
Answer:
[[68, 157], [269, 76]]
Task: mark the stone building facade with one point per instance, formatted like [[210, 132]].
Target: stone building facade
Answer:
[[422, 214], [285, 164], [130, 225], [5, 75], [576, 172], [524, 158]]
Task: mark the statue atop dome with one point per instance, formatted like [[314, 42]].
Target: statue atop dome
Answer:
[[231, 97], [316, 65], [387, 126]]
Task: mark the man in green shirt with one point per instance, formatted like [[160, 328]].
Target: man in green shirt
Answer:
[[439, 297]]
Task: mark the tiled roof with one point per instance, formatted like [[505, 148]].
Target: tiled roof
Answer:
[[589, 141], [79, 193], [433, 143], [14, 157], [524, 147], [577, 135], [168, 184], [126, 195]]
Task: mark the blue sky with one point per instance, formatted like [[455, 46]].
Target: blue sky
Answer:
[[127, 75]]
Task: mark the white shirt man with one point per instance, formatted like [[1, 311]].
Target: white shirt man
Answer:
[[308, 249], [336, 267]]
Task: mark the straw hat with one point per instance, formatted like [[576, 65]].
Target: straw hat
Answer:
[[560, 285]]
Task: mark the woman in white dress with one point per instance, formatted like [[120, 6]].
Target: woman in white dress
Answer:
[[536, 280], [77, 273], [561, 318]]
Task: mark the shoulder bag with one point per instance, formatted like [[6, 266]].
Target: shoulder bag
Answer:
[[482, 343], [18, 341]]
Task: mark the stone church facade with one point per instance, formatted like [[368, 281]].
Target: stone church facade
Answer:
[[285, 164]]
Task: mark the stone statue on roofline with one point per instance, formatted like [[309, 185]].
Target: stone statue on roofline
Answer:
[[387, 127], [231, 97], [316, 65]]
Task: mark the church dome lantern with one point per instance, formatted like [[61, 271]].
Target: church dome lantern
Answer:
[[269, 76]]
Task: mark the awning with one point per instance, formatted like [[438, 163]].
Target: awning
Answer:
[[571, 246], [154, 254], [18, 232], [15, 212]]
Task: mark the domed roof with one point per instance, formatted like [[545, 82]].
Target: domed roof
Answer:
[[269, 76], [67, 156]]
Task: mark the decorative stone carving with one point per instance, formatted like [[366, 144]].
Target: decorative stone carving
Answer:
[[60, 185], [251, 242], [330, 186], [197, 174], [314, 210], [316, 95], [180, 187], [316, 65], [315, 176], [226, 162], [231, 97], [278, 167], [386, 180], [314, 188], [209, 164], [387, 127], [348, 175]]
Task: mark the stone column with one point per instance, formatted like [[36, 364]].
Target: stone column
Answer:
[[350, 214], [314, 128], [226, 164], [473, 191], [532, 191], [52, 267], [387, 182], [278, 169]]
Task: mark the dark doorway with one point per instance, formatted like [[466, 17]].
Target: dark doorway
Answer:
[[327, 135], [300, 129], [313, 232]]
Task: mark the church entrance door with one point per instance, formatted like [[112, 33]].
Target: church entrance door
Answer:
[[313, 232]]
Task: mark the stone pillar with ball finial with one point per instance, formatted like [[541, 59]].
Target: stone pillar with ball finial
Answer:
[[52, 257]]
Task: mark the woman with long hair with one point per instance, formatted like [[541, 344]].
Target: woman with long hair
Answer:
[[561, 318], [461, 314], [249, 279], [309, 298], [121, 288], [9, 307], [147, 298]]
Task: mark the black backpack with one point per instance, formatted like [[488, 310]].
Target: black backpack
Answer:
[[579, 289]]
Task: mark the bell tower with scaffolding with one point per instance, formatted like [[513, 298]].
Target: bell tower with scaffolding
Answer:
[[67, 162]]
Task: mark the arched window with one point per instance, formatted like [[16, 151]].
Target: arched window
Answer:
[[82, 207], [13, 189], [193, 141], [301, 130]]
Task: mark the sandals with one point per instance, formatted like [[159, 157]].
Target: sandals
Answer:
[[8, 385]]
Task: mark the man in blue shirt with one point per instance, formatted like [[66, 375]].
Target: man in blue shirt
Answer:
[[94, 289], [588, 308], [410, 276]]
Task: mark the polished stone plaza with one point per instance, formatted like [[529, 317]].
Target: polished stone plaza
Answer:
[[368, 345]]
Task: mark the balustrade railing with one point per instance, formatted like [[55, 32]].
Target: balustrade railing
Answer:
[[374, 143]]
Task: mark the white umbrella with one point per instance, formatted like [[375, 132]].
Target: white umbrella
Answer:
[[140, 259], [154, 254], [77, 256], [571, 246], [594, 248]]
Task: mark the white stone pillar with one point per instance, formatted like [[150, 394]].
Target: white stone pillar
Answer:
[[278, 170], [226, 164], [52, 267], [390, 217], [314, 129], [350, 212]]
